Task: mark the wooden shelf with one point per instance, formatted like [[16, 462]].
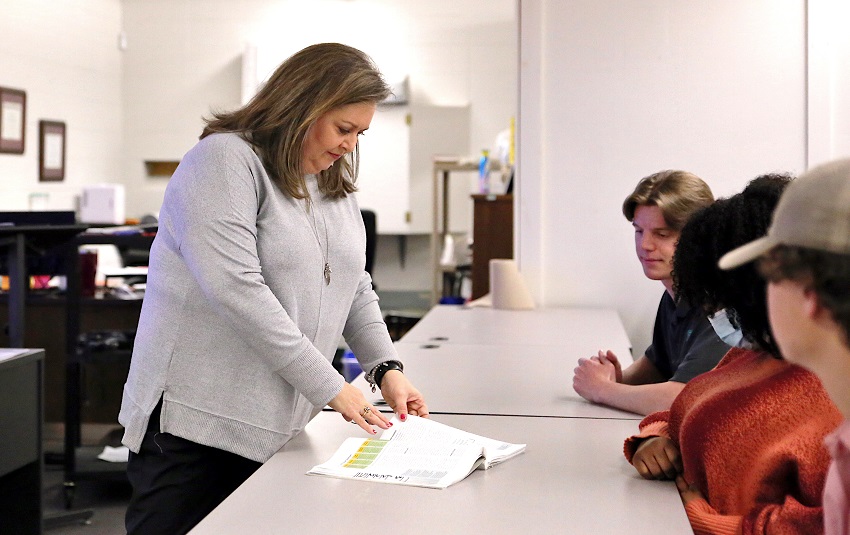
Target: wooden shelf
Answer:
[[443, 166], [161, 167], [492, 237]]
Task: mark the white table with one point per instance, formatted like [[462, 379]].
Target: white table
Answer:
[[588, 328], [508, 380], [572, 478]]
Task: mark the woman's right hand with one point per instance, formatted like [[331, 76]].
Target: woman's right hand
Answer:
[[352, 405], [657, 458]]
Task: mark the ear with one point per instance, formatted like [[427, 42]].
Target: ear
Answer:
[[812, 307]]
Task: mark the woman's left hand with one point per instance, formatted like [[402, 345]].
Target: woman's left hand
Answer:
[[402, 396], [688, 492]]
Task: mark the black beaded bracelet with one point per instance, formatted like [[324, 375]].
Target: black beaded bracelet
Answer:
[[377, 374]]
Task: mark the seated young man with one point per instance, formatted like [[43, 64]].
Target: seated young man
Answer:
[[684, 344], [805, 258]]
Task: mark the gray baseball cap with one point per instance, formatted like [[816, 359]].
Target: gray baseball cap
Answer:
[[814, 212]]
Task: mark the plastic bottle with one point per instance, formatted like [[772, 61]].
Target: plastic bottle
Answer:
[[483, 174]]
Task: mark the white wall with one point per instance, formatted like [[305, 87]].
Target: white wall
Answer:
[[612, 91], [184, 57], [828, 80], [402, 263], [64, 54]]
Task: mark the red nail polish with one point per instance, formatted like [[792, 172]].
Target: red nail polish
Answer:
[[373, 431], [389, 424], [402, 417]]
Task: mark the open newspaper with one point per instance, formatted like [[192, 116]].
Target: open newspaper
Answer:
[[418, 452]]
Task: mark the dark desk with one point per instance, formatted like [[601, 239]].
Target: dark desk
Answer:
[[17, 240], [79, 461], [73, 316], [101, 383], [21, 373], [56, 321]]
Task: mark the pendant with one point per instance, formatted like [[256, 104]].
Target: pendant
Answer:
[[327, 273]]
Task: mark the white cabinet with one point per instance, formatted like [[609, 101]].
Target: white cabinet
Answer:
[[396, 166]]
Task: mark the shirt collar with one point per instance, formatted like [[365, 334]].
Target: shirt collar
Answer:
[[838, 442]]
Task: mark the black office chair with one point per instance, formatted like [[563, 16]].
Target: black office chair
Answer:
[[139, 257], [370, 221]]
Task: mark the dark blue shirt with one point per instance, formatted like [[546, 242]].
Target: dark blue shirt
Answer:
[[684, 343]]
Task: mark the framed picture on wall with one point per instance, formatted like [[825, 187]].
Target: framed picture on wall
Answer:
[[51, 151], [13, 120]]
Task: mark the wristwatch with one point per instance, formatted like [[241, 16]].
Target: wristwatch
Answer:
[[375, 377]]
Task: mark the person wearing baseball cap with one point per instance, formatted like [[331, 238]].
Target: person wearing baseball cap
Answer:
[[805, 258]]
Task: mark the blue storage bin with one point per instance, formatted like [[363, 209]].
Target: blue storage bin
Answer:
[[350, 367]]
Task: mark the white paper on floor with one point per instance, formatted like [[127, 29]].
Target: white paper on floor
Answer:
[[115, 455]]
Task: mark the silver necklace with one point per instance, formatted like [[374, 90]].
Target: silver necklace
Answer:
[[314, 227]]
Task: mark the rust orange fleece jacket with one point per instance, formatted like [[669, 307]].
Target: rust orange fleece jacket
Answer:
[[750, 433]]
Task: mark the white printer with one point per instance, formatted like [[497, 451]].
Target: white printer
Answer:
[[103, 204]]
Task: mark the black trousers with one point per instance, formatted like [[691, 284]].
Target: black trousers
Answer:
[[176, 482]]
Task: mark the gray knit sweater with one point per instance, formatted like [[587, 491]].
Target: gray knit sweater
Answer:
[[238, 327]]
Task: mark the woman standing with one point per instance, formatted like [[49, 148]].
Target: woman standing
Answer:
[[256, 273]]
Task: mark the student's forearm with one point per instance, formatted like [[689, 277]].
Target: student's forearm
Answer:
[[641, 399], [642, 372]]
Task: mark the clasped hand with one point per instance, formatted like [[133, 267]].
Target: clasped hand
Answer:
[[594, 373]]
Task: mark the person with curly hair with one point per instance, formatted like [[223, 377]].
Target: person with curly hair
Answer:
[[805, 257], [743, 441], [697, 279], [683, 342]]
